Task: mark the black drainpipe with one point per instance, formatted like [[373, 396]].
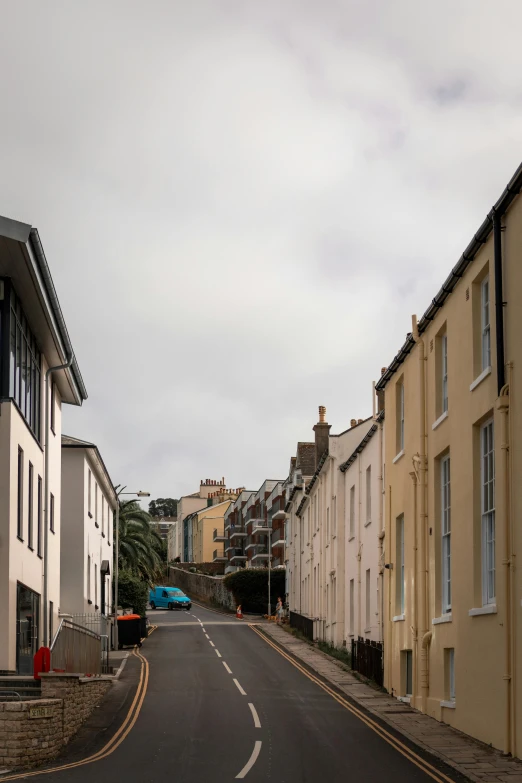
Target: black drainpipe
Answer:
[[499, 304]]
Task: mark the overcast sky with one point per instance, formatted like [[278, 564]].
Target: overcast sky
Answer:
[[242, 203]]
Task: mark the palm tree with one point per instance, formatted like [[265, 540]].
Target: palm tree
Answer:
[[140, 545]]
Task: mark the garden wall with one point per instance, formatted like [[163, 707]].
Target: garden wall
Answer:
[[209, 589]]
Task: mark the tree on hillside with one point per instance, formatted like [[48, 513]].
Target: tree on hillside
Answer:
[[140, 546], [163, 507]]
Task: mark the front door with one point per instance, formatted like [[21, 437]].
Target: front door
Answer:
[[27, 622]]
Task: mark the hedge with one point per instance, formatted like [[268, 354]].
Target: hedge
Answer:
[[133, 593], [250, 588]]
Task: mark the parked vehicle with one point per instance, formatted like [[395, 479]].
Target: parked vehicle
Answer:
[[168, 598]]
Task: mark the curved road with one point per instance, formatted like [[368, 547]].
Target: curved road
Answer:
[[221, 704]]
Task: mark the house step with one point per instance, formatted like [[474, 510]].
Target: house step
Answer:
[[25, 687]]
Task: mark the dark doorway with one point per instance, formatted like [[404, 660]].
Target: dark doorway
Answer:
[[27, 626]]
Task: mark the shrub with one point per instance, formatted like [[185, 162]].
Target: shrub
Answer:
[[250, 588], [133, 592]]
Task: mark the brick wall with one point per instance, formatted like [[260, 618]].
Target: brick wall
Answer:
[[27, 742], [212, 569], [209, 589]]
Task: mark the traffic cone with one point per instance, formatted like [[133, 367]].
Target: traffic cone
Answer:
[[239, 613]]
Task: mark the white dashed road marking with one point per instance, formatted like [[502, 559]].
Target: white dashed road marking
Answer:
[[252, 760], [240, 689], [218, 653], [257, 722], [227, 667]]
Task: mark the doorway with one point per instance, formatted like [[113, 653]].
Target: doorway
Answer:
[[27, 626]]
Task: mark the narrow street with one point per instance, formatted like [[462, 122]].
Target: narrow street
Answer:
[[221, 704]]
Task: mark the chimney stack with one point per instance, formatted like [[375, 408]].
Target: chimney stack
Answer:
[[322, 433]]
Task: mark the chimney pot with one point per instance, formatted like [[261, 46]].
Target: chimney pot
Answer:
[[359, 421], [322, 414], [383, 370], [353, 422]]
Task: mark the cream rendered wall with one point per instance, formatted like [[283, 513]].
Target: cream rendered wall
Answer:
[[17, 562], [364, 548], [187, 505], [479, 640], [73, 543], [323, 532], [203, 527]]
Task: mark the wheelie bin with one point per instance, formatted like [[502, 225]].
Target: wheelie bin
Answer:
[[129, 631]]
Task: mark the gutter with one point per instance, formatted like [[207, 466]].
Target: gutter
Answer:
[[36, 247], [509, 194]]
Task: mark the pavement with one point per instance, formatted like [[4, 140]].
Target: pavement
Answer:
[[209, 698]]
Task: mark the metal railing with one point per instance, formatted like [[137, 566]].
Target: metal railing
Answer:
[[76, 649], [101, 625], [303, 624], [367, 659], [278, 536], [237, 552], [218, 535], [219, 554]]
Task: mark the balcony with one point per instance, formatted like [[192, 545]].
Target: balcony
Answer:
[[237, 532], [259, 526], [260, 552], [218, 535], [278, 509], [219, 555], [237, 556], [277, 562], [278, 537]]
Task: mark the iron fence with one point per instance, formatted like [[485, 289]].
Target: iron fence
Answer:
[[76, 649], [101, 625], [303, 624], [368, 659]]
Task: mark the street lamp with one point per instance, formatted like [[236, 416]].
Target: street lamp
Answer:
[[139, 494]]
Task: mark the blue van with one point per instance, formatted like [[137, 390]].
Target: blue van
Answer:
[[168, 598]]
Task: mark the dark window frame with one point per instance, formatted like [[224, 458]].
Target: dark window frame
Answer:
[[20, 497], [53, 403], [51, 513], [20, 360], [39, 518], [30, 504]]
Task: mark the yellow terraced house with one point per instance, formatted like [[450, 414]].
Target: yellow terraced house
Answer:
[[453, 426]]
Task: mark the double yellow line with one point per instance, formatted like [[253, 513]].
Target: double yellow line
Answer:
[[399, 746], [117, 739]]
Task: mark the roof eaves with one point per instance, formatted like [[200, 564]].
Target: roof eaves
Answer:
[[509, 194], [367, 438]]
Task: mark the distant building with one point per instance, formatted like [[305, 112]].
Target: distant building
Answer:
[[162, 525], [88, 507]]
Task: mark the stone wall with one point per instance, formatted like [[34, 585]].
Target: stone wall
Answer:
[[211, 569], [209, 589], [26, 741], [80, 695]]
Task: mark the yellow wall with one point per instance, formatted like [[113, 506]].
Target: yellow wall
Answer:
[[205, 521], [479, 640]]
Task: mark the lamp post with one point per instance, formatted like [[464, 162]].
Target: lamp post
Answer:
[[269, 569], [139, 494]]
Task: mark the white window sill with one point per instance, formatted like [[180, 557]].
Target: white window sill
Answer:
[[369, 522], [367, 630], [399, 455], [404, 699], [351, 538], [439, 420], [488, 609], [399, 618], [351, 635], [450, 705], [445, 618], [478, 381]]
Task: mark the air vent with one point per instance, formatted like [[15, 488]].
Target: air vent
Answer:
[[467, 294]]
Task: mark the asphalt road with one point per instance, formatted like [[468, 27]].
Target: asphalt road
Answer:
[[221, 703]]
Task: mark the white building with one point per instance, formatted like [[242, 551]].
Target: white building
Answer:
[[33, 338], [88, 507], [363, 484], [316, 533]]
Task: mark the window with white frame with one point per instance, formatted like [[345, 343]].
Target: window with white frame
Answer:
[[368, 603], [445, 505], [103, 515], [400, 415], [487, 449], [352, 606], [88, 577], [450, 658], [352, 511], [400, 602], [334, 517], [328, 523], [486, 330], [444, 371], [89, 493], [368, 494]]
